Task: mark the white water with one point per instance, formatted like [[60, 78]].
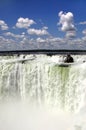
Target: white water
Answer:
[[38, 94]]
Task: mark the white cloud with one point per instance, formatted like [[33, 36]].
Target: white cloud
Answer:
[[40, 40], [45, 28], [4, 40], [44, 42], [84, 38], [51, 40], [24, 22], [67, 24], [3, 25], [38, 32], [71, 34], [83, 23], [66, 21], [84, 32], [55, 40], [17, 36]]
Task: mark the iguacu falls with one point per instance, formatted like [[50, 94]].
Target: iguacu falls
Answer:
[[38, 94]]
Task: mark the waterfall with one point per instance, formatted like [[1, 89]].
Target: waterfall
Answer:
[[42, 81]]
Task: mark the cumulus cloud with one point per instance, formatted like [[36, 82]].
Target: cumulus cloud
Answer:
[[71, 34], [3, 25], [5, 41], [84, 32], [40, 40], [67, 23], [84, 37], [38, 32], [20, 42], [66, 20], [24, 22], [14, 35], [51, 40]]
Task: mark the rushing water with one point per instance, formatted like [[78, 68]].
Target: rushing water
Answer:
[[40, 89]]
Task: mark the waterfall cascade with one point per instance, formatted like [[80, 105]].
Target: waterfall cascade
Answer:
[[43, 81], [40, 80]]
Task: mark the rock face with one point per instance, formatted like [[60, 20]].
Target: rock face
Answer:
[[69, 59]]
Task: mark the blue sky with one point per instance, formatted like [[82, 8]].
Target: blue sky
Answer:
[[47, 24]]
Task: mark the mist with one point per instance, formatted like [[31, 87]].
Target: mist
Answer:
[[20, 116]]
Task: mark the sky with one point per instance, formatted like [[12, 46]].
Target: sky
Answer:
[[42, 24]]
